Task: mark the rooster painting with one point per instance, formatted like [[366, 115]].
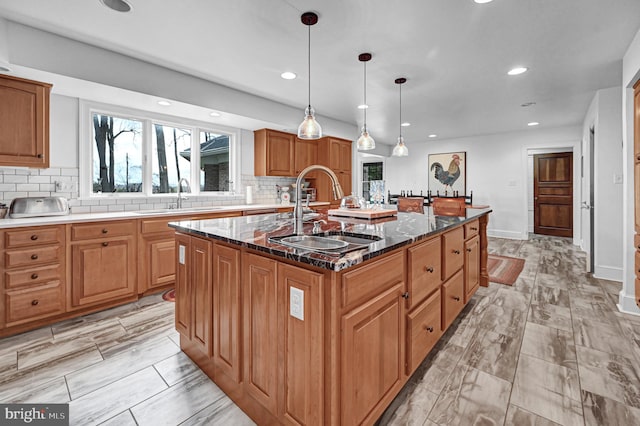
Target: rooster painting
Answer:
[[449, 176]]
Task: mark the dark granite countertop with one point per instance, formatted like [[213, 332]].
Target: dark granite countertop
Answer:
[[396, 231]]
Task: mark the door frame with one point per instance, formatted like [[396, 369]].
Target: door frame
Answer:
[[368, 158], [574, 147]]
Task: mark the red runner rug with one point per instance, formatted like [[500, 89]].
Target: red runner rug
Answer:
[[504, 269]]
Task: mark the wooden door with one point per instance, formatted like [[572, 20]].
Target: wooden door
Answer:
[[553, 194], [183, 285], [161, 261], [471, 267], [201, 287]]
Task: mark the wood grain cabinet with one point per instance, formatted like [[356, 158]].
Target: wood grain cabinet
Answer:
[[452, 299], [471, 267], [157, 260], [424, 329], [33, 274], [103, 262], [274, 153], [452, 251], [306, 154], [424, 270], [24, 114], [636, 158]]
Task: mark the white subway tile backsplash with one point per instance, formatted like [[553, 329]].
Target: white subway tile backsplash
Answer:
[[116, 208], [38, 194], [50, 187], [99, 209], [7, 187], [39, 179], [27, 187], [50, 172], [107, 202], [16, 179], [69, 172], [80, 209]]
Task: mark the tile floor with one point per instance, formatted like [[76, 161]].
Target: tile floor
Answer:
[[552, 349]]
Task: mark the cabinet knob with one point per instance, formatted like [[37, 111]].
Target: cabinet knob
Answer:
[[34, 237], [105, 244], [105, 230], [429, 269], [469, 250], [34, 302], [430, 329], [34, 256], [456, 251], [638, 157], [34, 276], [456, 298], [474, 229], [405, 294], [39, 155]]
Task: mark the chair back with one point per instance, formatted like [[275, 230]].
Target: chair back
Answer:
[[411, 204], [449, 206]]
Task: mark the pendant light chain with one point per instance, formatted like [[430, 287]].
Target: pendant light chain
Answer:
[[400, 107], [309, 63], [365, 96]]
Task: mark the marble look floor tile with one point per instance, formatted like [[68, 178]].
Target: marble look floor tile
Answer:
[[489, 290], [82, 382], [19, 341], [434, 372], [548, 390], [550, 295], [8, 363], [472, 397], [15, 383], [221, 412], [601, 336], [551, 316], [599, 410], [503, 321], [554, 281], [135, 336], [53, 391], [493, 353], [176, 368], [96, 331], [550, 344], [415, 409], [509, 299], [523, 284], [106, 402], [611, 287], [47, 351], [123, 419], [178, 403], [145, 316], [516, 416], [612, 376]]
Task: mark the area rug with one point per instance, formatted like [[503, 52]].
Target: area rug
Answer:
[[169, 295], [504, 269]]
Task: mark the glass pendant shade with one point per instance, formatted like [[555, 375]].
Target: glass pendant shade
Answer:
[[309, 128], [400, 150], [365, 141]]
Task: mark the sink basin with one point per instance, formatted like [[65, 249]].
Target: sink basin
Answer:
[[335, 243], [313, 242], [176, 211]]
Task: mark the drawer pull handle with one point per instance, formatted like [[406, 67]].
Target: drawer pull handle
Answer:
[[456, 298], [469, 250], [429, 269], [34, 276], [34, 302], [39, 155], [474, 229], [34, 237], [405, 295], [456, 251], [105, 230], [34, 257], [430, 329], [105, 244]]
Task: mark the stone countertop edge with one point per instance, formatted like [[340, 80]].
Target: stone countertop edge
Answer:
[[254, 231], [136, 214]]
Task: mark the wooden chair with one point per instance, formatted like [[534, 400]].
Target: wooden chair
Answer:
[[411, 204], [449, 206]]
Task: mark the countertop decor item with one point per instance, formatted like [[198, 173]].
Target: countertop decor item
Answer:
[[309, 128], [365, 141], [400, 150]]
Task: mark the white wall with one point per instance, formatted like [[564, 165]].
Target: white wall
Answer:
[[496, 171], [630, 75]]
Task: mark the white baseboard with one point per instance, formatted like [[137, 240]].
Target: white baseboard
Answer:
[[627, 304], [608, 273], [511, 235]]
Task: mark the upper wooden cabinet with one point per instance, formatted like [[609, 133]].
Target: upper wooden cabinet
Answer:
[[24, 118], [339, 152], [306, 154], [274, 153]]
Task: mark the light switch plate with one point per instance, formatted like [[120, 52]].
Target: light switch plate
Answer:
[[617, 178], [296, 303]]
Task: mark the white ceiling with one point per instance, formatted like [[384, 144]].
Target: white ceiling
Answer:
[[454, 54]]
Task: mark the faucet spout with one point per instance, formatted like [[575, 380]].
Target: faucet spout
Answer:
[[298, 210], [187, 189]]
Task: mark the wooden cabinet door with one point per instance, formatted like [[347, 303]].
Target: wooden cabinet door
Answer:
[[452, 252], [471, 267], [226, 310], [452, 299], [274, 153], [306, 154], [424, 328], [183, 285], [161, 262], [24, 113], [345, 157], [260, 328], [302, 374], [102, 271], [424, 266], [372, 356], [202, 300]]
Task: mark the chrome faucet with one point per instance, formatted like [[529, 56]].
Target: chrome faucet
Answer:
[[188, 189], [298, 210]]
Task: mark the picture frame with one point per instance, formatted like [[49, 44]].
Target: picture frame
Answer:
[[448, 173]]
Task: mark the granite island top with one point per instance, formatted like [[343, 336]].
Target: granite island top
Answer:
[[396, 231]]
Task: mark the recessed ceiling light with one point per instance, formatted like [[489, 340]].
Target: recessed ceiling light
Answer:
[[483, 1], [406, 124], [164, 103], [433, 135], [533, 123], [117, 5], [288, 75], [214, 114], [527, 104], [363, 106], [517, 70]]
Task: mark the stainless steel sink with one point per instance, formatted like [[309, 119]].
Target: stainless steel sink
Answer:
[[335, 243], [313, 242]]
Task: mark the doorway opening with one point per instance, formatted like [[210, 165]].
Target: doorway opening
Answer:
[[371, 170], [553, 194]]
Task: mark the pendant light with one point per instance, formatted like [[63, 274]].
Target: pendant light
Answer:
[[400, 150], [310, 128], [365, 141]]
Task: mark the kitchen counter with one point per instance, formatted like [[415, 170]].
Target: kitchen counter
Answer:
[[394, 232]]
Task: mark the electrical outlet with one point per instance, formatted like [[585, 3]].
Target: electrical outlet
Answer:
[[66, 186], [296, 303], [181, 255], [617, 178]]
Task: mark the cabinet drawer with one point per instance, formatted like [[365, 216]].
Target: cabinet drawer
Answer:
[[89, 231], [156, 225], [37, 275], [32, 303], [452, 252], [32, 256], [370, 280], [425, 274], [452, 299], [34, 236], [471, 229], [424, 328]]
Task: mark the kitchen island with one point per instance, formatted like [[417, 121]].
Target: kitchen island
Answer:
[[298, 336]]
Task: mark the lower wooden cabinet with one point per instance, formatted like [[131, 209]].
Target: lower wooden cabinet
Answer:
[[424, 329], [424, 270], [452, 299], [183, 285], [34, 302], [157, 263], [471, 267], [452, 251]]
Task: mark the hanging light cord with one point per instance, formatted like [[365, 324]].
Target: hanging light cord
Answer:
[[365, 96], [309, 64], [400, 109]]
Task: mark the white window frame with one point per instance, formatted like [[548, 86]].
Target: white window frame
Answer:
[[85, 151]]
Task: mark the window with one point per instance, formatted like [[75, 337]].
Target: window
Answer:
[[135, 153], [370, 171]]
